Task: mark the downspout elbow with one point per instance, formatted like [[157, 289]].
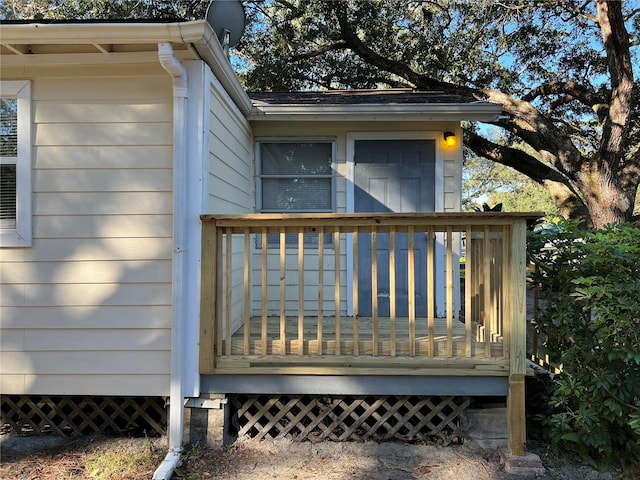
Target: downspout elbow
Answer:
[[172, 65]]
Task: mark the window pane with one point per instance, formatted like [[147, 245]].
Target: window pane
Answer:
[[7, 196], [291, 240], [284, 194], [8, 127], [296, 158]]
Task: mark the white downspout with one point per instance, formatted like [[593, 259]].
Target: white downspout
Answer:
[[176, 396]]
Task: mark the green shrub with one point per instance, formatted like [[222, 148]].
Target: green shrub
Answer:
[[590, 282]]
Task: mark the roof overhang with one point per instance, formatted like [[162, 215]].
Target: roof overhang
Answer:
[[65, 43], [113, 42], [473, 111]]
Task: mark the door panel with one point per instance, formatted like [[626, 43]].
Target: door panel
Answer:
[[393, 176]]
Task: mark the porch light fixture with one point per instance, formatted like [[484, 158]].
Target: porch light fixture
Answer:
[[449, 138]]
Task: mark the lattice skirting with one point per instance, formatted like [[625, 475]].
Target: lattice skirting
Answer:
[[82, 415], [303, 417]]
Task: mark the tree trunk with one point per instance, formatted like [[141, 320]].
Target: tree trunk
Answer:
[[606, 201]]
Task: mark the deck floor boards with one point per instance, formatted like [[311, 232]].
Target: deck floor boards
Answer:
[[365, 338]]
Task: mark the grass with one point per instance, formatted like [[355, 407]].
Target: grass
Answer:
[[93, 457], [122, 463]]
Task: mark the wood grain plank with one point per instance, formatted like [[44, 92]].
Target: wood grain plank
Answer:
[[412, 291]]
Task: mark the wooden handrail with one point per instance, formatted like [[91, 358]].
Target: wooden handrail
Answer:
[[383, 221]]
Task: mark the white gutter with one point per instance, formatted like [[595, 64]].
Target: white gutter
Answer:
[[474, 111], [176, 396], [204, 40]]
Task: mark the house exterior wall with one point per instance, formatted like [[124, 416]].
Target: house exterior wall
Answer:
[[230, 184], [450, 201], [87, 308]]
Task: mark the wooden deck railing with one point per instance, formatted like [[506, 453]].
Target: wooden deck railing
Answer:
[[280, 294]]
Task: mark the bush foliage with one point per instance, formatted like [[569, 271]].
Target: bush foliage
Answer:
[[590, 282]]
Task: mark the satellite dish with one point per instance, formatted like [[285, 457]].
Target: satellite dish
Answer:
[[227, 19]]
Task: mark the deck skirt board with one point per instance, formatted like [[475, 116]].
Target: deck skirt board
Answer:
[[276, 384]]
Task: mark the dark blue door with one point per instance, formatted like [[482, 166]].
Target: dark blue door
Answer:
[[393, 176]]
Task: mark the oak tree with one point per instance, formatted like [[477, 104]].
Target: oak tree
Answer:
[[562, 69]]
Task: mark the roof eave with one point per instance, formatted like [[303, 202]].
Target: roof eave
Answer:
[[197, 33], [475, 111], [208, 47], [61, 33]]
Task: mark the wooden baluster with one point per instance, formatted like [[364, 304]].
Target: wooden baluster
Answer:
[[320, 287], [263, 294], [336, 286], [247, 291], [219, 302], [412, 291], [228, 297], [374, 288], [392, 289], [486, 317], [504, 311], [356, 332], [536, 315], [283, 292], [300, 291], [431, 301], [449, 291], [496, 253], [468, 272]]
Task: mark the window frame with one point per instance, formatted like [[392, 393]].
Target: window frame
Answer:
[[21, 236], [259, 177]]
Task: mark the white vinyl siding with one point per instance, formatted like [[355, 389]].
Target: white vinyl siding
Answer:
[[87, 309], [230, 173], [15, 164]]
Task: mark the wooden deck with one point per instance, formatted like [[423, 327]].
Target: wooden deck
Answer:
[[281, 296]]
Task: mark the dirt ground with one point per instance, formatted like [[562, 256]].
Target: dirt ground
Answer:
[[284, 460], [117, 458]]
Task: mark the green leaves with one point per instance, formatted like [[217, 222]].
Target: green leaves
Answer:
[[591, 289]]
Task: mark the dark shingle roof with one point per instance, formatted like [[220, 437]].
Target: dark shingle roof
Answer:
[[357, 97]]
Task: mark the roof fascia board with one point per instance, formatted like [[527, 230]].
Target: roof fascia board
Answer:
[[81, 58], [61, 33], [481, 111]]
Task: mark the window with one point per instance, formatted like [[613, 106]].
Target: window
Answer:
[[295, 176], [15, 164]]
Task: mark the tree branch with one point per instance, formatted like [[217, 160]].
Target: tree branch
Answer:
[[558, 185], [584, 95], [525, 121], [401, 69], [319, 51], [512, 157]]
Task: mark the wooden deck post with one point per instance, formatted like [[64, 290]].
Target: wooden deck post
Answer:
[[515, 288], [208, 298]]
